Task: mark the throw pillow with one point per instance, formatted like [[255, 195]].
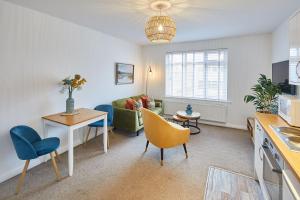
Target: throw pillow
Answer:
[[150, 103], [145, 100], [129, 104], [138, 105]]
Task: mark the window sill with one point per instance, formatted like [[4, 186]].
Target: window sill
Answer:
[[182, 99]]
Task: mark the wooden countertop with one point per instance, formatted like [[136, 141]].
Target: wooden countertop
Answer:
[[70, 120], [291, 157]]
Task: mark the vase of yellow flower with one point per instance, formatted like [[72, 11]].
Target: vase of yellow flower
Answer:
[[71, 85], [70, 104]]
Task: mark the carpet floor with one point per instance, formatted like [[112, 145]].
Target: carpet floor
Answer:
[[126, 172]]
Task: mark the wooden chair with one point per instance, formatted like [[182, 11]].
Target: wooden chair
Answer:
[[29, 145], [105, 108]]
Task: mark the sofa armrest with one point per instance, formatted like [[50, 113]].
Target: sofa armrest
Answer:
[[125, 119], [124, 113]]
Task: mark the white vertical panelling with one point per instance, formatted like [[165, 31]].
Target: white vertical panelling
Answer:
[[36, 52], [248, 56]]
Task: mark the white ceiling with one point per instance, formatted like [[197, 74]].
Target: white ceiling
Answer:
[[196, 19]]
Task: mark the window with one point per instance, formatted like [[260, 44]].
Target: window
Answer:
[[198, 74]]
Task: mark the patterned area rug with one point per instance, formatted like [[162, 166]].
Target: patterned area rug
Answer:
[[222, 185]]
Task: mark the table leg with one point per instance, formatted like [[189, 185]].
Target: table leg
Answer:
[[105, 134], [196, 127], [70, 151]]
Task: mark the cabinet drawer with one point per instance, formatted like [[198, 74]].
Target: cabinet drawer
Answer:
[[258, 153], [259, 133]]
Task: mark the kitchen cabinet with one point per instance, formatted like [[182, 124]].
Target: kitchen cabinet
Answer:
[[258, 153], [286, 192], [294, 49], [259, 157], [290, 184], [290, 176]]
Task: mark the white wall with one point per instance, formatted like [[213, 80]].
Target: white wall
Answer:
[[280, 43], [36, 52], [248, 57]]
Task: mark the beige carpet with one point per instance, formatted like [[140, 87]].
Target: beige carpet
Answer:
[[125, 172]]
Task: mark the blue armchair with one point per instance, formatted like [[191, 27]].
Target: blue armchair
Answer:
[[110, 113], [29, 145]]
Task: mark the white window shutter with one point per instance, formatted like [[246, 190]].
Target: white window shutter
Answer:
[[198, 74]]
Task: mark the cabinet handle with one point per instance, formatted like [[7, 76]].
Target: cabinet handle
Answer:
[[259, 153], [298, 71], [258, 128]]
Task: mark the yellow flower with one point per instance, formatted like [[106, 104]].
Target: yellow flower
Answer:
[[74, 83], [77, 76], [81, 82]]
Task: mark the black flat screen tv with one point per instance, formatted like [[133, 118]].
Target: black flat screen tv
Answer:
[[280, 76]]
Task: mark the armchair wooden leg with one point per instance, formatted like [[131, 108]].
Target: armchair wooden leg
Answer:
[[87, 136], [55, 166], [111, 131], [186, 154], [137, 133], [21, 179], [147, 143], [161, 156], [57, 155]]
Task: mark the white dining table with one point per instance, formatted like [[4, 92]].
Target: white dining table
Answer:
[[70, 123]]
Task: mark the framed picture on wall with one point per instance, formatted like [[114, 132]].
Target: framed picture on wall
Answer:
[[124, 73]]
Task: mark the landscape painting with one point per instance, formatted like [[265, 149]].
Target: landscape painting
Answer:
[[124, 73]]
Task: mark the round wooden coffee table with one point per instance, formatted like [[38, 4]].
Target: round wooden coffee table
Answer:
[[195, 116]]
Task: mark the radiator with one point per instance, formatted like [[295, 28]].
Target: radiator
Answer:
[[209, 110]]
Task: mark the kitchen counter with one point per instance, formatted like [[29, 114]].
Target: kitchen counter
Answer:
[[291, 157]]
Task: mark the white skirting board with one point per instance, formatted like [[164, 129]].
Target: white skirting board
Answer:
[[15, 171]]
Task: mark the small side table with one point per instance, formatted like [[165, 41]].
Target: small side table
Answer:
[[195, 116], [178, 119]]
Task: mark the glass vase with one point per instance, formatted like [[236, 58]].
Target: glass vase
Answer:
[[70, 104]]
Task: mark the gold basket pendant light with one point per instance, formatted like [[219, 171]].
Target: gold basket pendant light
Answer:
[[160, 29]]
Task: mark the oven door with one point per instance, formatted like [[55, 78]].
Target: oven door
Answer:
[[272, 175]]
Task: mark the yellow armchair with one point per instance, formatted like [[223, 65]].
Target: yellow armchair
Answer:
[[162, 133]]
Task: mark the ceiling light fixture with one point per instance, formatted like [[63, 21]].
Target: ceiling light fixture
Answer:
[[162, 28]]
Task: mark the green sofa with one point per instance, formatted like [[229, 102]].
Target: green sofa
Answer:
[[131, 120]]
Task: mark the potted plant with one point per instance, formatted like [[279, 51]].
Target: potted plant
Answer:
[[265, 95], [72, 84]]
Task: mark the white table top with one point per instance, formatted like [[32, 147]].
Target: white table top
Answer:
[[183, 114]]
